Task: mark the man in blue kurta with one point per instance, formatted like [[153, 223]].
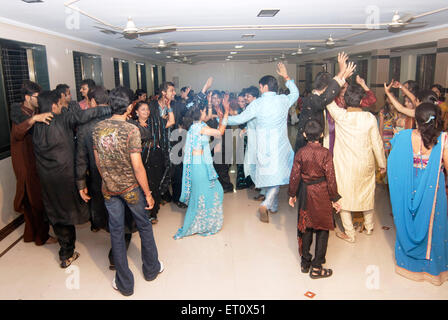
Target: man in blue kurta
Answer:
[[274, 156]]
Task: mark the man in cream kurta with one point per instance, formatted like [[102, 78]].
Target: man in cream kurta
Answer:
[[358, 143]]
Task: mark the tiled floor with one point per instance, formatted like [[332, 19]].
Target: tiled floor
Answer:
[[247, 259]]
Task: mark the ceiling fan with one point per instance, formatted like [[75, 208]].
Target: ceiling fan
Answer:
[[161, 46], [130, 31], [401, 22], [298, 52], [330, 43]]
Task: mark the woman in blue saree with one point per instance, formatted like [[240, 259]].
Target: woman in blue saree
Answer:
[[201, 190], [418, 197]]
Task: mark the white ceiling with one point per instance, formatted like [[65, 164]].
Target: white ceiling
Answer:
[[53, 15]]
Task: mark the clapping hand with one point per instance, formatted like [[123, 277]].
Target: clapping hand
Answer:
[[396, 84], [342, 58], [281, 70], [388, 87], [350, 68], [360, 81]]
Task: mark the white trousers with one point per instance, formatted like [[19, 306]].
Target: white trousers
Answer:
[[347, 222]]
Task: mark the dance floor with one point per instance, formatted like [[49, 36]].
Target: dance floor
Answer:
[[247, 259]]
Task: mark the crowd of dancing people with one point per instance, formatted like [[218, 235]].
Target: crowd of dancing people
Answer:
[[116, 157]]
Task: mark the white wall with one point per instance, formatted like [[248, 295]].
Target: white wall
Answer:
[[7, 192], [228, 76]]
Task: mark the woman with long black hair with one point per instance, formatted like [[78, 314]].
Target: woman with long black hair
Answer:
[[155, 142], [201, 189], [419, 201]]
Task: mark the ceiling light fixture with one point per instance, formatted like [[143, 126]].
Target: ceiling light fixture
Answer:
[[233, 52], [157, 52], [268, 12], [168, 57], [311, 49], [239, 46]]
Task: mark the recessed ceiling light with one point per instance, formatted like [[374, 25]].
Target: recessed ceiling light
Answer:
[[313, 48], [359, 56], [168, 57], [32, 1], [239, 46], [157, 52], [233, 52], [268, 12], [248, 36], [227, 59]]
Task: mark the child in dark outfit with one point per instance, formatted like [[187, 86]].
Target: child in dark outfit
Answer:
[[313, 177]]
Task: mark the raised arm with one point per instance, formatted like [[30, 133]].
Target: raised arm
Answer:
[[222, 123], [405, 91], [370, 98], [293, 91], [396, 103]]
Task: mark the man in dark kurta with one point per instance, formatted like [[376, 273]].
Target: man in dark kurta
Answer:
[[313, 170], [55, 156], [28, 198]]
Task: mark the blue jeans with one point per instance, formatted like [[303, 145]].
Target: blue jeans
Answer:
[[271, 198], [136, 202]]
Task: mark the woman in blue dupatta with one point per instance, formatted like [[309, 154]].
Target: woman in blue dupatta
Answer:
[[418, 197], [201, 190]]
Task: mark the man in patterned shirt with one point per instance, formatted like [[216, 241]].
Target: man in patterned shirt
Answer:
[[117, 148]]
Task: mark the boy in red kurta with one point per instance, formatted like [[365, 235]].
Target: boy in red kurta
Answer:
[[313, 177]]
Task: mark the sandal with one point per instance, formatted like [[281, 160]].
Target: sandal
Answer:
[[319, 272], [344, 236], [68, 262]]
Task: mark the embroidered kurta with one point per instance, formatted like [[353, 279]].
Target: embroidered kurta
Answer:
[[274, 154], [311, 163], [358, 143]]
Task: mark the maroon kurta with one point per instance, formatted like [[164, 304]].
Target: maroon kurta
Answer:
[[28, 199], [311, 163]]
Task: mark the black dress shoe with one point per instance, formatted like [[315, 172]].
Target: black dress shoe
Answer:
[[228, 190], [260, 197]]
